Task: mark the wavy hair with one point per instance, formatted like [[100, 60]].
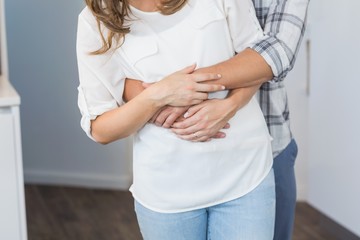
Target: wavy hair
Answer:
[[114, 13]]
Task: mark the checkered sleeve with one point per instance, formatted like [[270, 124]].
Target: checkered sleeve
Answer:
[[283, 22]]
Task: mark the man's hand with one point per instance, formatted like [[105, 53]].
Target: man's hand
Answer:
[[167, 115], [204, 121]]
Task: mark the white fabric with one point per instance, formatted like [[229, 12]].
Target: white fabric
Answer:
[[170, 174]]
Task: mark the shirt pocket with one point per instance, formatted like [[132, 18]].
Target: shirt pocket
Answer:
[[211, 40], [208, 15]]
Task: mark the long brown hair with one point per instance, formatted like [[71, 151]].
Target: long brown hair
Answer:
[[113, 14]]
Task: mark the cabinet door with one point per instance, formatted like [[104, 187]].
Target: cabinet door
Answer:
[[9, 202]]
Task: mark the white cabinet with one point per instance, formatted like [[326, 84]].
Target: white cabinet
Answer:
[[12, 201]]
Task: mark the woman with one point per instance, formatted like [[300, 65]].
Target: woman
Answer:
[[220, 189]]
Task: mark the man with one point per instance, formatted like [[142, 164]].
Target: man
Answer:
[[283, 22]]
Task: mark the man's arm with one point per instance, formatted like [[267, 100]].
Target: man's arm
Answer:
[[272, 57], [245, 69]]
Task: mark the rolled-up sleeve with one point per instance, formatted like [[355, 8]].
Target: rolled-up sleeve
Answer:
[[284, 27], [101, 77]]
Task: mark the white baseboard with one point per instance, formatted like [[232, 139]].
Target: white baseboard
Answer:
[[87, 180]]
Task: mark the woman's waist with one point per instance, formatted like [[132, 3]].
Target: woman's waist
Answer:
[[246, 126]]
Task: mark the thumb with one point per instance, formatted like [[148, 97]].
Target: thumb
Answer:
[[188, 69]]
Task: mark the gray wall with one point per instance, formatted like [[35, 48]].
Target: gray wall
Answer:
[[42, 64], [334, 112]]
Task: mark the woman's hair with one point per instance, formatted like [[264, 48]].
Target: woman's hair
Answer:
[[113, 14]]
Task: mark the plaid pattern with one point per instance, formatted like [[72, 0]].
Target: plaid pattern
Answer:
[[283, 22]]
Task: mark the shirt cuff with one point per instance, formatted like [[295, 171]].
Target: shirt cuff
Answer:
[[274, 53], [86, 126]]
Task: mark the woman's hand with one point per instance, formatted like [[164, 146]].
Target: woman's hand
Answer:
[[204, 121], [183, 88]]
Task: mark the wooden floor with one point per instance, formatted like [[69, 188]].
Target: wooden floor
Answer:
[[62, 213]]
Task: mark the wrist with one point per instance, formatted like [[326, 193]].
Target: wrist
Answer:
[[232, 104], [154, 98], [235, 102]]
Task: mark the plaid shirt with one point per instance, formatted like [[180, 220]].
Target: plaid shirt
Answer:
[[283, 22]]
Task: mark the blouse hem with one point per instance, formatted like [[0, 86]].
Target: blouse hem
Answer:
[[205, 205]]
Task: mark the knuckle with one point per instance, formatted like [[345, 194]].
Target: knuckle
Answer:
[[188, 78], [190, 87]]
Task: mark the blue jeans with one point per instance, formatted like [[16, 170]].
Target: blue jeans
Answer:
[[285, 192], [250, 217]]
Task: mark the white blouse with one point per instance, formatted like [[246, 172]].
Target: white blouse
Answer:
[[170, 174]]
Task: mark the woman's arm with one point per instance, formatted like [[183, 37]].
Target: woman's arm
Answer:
[[124, 120], [178, 89]]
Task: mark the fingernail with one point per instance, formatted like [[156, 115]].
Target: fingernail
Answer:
[[223, 87], [219, 75], [186, 115]]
